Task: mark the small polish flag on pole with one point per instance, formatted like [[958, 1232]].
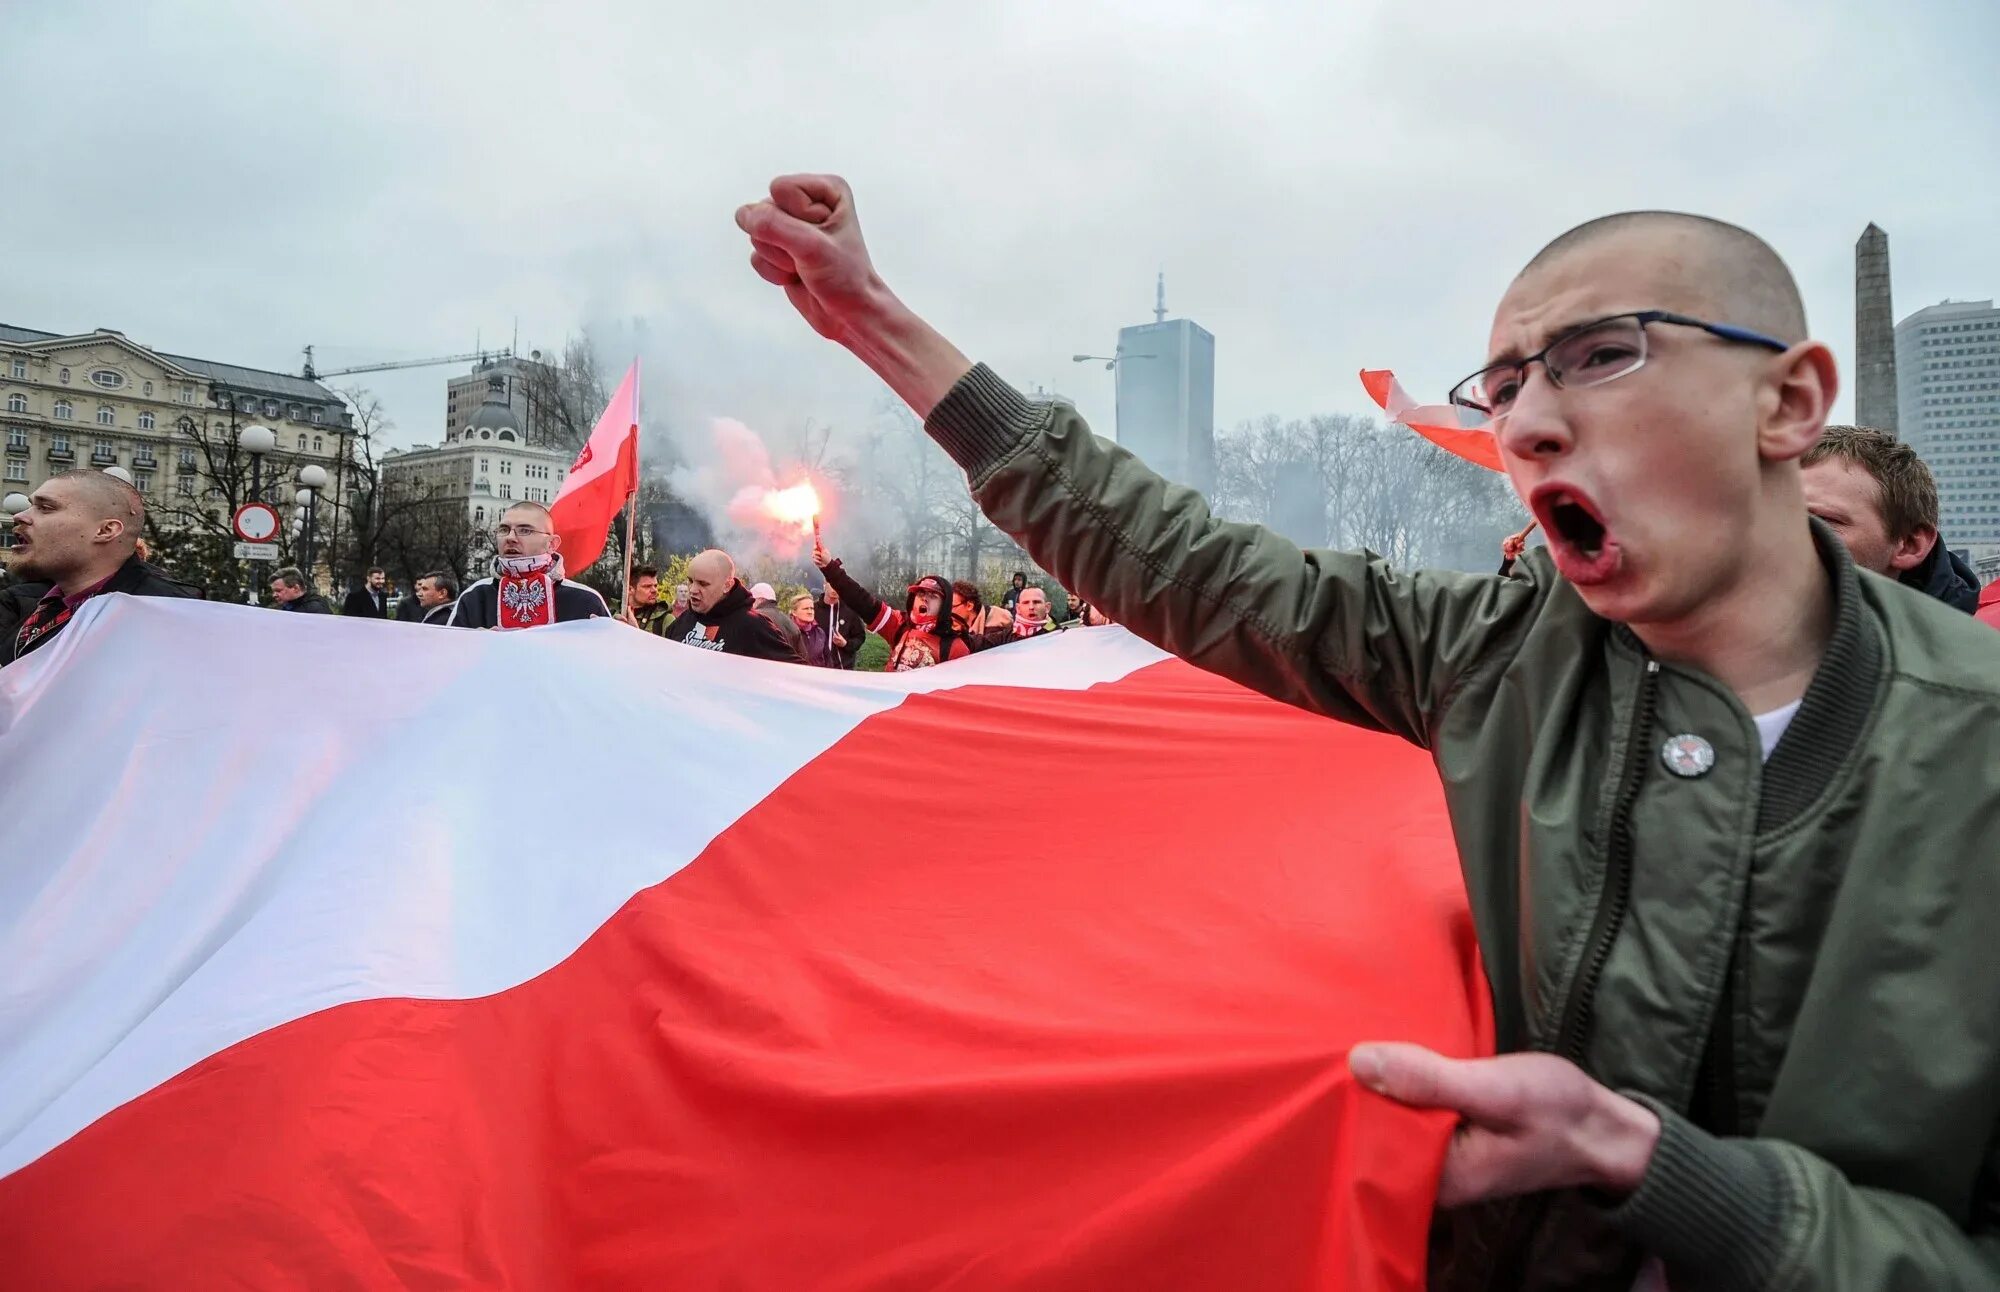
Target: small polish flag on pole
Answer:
[[603, 480]]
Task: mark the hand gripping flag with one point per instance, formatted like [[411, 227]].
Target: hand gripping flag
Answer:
[[1036, 970], [605, 474]]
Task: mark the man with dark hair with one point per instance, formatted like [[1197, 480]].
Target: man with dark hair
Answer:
[[77, 539], [643, 607], [527, 588], [1013, 592], [1724, 807], [290, 592], [1876, 494], [436, 592], [371, 599], [983, 625], [846, 629]]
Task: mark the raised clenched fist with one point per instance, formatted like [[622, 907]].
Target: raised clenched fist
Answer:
[[806, 239]]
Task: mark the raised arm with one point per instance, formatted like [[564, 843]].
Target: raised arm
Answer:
[[1337, 632]]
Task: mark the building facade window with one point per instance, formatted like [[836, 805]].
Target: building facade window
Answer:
[[479, 515], [17, 437], [59, 442], [142, 481], [17, 471], [318, 416], [62, 375], [101, 451], [302, 441], [294, 413], [146, 422], [20, 369], [187, 394], [316, 444], [187, 459], [270, 408], [149, 387], [506, 491], [108, 379], [185, 486], [63, 412], [106, 416], [17, 403]]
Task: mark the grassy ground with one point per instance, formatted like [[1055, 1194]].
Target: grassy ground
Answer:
[[874, 654]]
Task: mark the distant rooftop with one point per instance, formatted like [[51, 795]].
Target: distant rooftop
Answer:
[[229, 375]]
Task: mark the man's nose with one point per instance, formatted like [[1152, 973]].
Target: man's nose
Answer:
[[1535, 426]]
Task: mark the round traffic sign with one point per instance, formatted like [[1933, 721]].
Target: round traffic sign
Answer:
[[256, 522]]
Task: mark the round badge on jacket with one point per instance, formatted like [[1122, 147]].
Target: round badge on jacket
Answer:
[[1687, 755]]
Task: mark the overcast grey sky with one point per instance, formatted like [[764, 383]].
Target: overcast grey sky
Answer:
[[1328, 186]]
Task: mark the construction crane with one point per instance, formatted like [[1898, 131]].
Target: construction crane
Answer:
[[312, 374]]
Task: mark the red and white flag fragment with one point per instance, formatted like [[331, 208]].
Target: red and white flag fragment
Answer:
[[764, 982], [1438, 423], [604, 476]]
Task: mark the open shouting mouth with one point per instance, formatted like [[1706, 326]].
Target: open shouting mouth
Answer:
[[1584, 548]]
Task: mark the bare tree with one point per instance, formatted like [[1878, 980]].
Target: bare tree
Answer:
[[1352, 482], [190, 519], [565, 398]]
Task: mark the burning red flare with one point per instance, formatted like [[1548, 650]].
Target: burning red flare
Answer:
[[796, 508]]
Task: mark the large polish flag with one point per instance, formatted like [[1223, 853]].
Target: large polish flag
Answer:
[[342, 954], [604, 475]]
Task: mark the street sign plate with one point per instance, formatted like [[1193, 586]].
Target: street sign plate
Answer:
[[256, 522], [256, 551]]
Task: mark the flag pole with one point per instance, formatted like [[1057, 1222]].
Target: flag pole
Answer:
[[631, 499]]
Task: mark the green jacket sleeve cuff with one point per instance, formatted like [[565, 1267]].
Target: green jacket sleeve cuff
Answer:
[[1713, 1209], [982, 420]]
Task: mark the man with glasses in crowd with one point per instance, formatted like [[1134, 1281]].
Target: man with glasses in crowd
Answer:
[[527, 588], [1724, 807]]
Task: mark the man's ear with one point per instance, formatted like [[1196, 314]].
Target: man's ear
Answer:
[[555, 541], [1794, 409], [1913, 549]]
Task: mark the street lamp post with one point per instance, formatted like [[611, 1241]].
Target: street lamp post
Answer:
[[13, 505], [256, 441], [1111, 362], [312, 479]]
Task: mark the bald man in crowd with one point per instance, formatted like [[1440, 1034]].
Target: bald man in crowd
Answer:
[[1724, 807], [78, 538], [723, 616]]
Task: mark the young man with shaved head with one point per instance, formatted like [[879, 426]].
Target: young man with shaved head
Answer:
[[1725, 808], [723, 616], [78, 538], [527, 589]]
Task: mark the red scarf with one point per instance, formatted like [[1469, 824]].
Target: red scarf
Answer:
[[526, 588], [52, 612]]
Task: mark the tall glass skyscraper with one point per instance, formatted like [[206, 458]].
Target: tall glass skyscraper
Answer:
[[1166, 397], [1948, 403]]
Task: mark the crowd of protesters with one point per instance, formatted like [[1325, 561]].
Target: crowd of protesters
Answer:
[[81, 532]]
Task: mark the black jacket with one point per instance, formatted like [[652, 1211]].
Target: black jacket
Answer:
[[409, 610], [1944, 576], [312, 603], [135, 578], [479, 605], [853, 630], [440, 613], [734, 627], [364, 604]]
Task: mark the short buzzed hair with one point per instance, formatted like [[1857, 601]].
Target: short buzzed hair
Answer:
[[525, 505], [114, 499], [1907, 492], [1733, 269]]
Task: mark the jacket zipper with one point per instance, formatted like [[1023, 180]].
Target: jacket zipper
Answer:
[[1573, 1036]]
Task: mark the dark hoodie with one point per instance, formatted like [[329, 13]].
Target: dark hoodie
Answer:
[[1944, 576], [733, 626], [913, 643]]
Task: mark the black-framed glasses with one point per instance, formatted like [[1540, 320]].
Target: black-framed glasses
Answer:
[[1590, 355]]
